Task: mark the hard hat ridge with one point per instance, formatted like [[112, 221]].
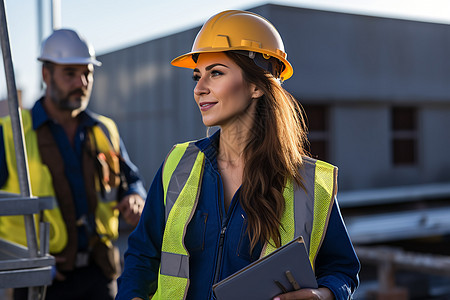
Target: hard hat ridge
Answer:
[[65, 46]]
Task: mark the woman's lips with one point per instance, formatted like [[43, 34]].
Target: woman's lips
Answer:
[[204, 106]]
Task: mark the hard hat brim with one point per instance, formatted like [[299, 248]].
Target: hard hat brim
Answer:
[[186, 61], [71, 61]]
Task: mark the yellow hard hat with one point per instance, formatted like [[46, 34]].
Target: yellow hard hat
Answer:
[[236, 30]]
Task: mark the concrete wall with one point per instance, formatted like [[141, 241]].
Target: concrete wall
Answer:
[[358, 149], [435, 142]]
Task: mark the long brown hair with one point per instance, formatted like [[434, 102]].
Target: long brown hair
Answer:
[[273, 153]]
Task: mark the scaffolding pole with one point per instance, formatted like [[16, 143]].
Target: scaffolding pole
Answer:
[[18, 136]]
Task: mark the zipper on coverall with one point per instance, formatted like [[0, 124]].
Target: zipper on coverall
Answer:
[[224, 218]]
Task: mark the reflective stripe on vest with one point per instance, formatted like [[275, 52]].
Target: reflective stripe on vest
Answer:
[[309, 210], [306, 212], [182, 175], [12, 227]]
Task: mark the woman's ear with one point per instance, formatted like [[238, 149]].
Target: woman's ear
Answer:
[[256, 92]]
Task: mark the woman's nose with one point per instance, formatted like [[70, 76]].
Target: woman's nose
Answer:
[[201, 87]]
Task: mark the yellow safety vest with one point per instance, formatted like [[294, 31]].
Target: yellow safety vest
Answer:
[[306, 213], [12, 228]]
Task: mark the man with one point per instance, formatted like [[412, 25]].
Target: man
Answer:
[[77, 157]]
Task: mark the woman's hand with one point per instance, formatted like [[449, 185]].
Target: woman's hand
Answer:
[[322, 293]]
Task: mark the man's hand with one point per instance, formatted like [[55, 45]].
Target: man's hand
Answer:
[[322, 293], [131, 207]]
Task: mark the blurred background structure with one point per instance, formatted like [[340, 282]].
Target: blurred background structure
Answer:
[[377, 97]]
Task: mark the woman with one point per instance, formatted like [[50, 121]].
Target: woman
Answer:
[[219, 203]]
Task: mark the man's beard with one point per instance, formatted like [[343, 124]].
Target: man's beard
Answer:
[[63, 101]]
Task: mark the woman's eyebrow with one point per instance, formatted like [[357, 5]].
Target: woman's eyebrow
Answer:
[[213, 65], [208, 68]]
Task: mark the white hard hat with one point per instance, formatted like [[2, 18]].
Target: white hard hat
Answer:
[[66, 47]]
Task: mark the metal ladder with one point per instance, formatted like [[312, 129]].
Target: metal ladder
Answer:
[[22, 266]]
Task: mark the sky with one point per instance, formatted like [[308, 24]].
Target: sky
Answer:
[[115, 24]]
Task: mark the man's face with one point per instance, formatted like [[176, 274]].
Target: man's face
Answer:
[[69, 86]]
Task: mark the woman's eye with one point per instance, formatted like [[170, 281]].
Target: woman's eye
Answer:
[[195, 77], [216, 73]]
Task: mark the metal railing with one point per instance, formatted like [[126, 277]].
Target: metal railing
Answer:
[[22, 266], [388, 260]]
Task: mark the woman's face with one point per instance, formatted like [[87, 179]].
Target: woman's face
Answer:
[[221, 93]]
